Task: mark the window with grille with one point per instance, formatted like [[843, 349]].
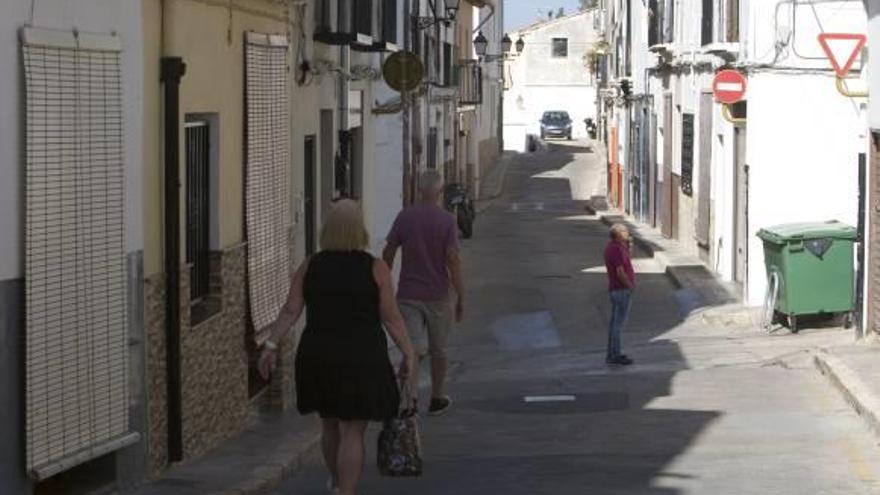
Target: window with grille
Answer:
[[560, 47], [198, 218], [432, 148], [470, 83], [447, 64], [267, 195], [76, 340]]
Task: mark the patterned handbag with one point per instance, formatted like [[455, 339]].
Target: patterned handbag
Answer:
[[400, 449]]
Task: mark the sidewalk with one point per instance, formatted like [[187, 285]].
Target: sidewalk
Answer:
[[700, 288], [852, 367], [269, 450], [492, 186], [854, 370]]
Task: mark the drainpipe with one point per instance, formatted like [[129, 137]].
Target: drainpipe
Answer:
[[404, 101], [343, 86], [173, 70]]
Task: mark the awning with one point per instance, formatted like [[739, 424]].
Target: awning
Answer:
[[482, 3]]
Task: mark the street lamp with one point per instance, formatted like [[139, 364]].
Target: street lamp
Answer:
[[481, 45], [452, 8], [450, 11], [506, 44]]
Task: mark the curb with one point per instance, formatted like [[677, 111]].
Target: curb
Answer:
[[502, 164], [853, 389], [276, 470]]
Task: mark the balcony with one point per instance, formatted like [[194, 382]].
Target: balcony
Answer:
[[470, 83]]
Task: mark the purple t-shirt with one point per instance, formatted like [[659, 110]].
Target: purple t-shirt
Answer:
[[617, 255], [424, 232]]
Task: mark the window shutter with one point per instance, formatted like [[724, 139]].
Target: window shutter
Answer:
[[76, 347], [267, 195]]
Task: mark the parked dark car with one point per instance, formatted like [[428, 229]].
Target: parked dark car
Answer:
[[556, 123]]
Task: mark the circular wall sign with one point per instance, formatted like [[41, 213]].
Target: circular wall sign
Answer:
[[403, 71], [729, 86]]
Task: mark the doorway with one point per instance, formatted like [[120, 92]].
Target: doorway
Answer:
[[328, 132], [741, 205], [669, 191]]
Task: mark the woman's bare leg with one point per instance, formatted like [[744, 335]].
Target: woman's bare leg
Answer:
[[330, 447], [350, 462]]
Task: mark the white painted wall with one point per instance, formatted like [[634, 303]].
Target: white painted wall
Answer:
[[98, 16], [874, 62], [802, 159], [386, 192]]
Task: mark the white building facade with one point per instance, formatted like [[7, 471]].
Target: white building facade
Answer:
[[712, 178], [552, 73]]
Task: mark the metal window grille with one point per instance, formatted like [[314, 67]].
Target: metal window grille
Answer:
[[470, 83], [267, 195], [76, 349], [197, 208]]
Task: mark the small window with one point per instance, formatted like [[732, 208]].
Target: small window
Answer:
[[560, 47], [200, 221]]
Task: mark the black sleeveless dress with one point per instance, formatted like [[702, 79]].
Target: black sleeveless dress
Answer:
[[342, 365]]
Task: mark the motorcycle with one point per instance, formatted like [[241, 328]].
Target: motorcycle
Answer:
[[458, 201]]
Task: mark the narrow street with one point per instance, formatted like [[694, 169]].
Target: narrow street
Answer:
[[703, 411]]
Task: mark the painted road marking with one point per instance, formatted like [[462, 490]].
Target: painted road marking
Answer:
[[549, 398]]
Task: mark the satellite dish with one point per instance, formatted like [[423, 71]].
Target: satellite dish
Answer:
[[403, 71]]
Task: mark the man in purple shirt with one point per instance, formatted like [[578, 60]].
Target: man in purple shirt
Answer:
[[428, 236], [621, 282]]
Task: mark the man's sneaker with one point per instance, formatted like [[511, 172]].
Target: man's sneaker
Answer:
[[439, 405]]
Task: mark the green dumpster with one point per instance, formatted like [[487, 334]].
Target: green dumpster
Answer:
[[810, 268]]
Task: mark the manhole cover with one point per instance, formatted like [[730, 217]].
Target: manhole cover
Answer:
[[557, 404]]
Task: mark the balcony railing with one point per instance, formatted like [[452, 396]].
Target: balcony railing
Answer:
[[470, 82]]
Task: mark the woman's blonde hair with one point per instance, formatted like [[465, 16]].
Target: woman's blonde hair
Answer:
[[344, 229]]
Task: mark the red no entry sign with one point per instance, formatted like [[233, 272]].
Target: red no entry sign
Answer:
[[729, 86]]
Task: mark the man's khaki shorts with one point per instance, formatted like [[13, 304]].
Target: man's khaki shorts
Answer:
[[429, 324]]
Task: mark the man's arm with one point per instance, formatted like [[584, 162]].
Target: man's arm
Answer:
[[623, 277], [453, 264]]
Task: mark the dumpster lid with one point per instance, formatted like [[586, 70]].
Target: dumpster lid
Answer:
[[833, 229]]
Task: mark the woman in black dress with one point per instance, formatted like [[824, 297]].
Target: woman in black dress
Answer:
[[343, 371]]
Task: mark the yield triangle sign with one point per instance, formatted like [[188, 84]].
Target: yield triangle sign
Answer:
[[842, 50]]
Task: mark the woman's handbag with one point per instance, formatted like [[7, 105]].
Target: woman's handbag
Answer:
[[400, 449]]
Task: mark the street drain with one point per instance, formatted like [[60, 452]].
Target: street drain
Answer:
[[554, 277]]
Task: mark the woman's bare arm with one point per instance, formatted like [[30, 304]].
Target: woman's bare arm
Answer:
[[293, 307]]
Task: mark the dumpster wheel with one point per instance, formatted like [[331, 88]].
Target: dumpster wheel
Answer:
[[768, 315]]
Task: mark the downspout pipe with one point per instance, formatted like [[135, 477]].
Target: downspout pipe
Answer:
[[172, 72]]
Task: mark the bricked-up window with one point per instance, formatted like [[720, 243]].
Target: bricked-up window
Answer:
[[732, 21], [76, 337], [267, 196], [559, 47]]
